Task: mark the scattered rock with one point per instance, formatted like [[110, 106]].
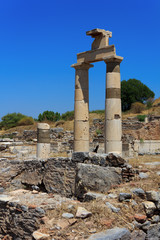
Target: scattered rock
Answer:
[[133, 202], [82, 213], [149, 208], [110, 206], [139, 192], [67, 215], [138, 235], [155, 219], [92, 196], [112, 195], [152, 196], [153, 232], [38, 235], [112, 234], [124, 197], [143, 175], [63, 223], [145, 226], [140, 218]]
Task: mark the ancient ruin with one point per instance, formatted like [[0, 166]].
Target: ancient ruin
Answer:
[[101, 51], [43, 141], [53, 186]]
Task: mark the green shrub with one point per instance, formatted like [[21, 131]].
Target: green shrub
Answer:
[[50, 116], [98, 131], [141, 118], [11, 120], [26, 121], [68, 116], [137, 107]]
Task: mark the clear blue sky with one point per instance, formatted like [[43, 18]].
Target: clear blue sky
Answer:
[[39, 40]]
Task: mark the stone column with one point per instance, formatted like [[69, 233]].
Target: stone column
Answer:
[[43, 140], [81, 108], [113, 121]]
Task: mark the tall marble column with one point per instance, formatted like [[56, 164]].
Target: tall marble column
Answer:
[[113, 121], [43, 141], [81, 108]]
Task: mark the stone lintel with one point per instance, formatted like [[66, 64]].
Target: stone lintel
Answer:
[[113, 58], [82, 65], [96, 54], [101, 38], [95, 32]]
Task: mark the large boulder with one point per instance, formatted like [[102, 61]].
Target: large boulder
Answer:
[[91, 177], [112, 234]]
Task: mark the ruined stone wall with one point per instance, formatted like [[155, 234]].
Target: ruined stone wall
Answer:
[[66, 176]]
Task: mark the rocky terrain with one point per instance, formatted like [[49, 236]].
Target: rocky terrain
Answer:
[[125, 202], [81, 195]]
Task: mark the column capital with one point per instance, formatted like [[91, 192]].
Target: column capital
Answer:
[[82, 65], [113, 59]]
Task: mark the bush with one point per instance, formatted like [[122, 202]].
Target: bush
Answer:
[[141, 118], [98, 131], [50, 116], [26, 121], [68, 116], [137, 107], [11, 120]]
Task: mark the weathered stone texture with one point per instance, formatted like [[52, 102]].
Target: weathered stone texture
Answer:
[[59, 176], [18, 221], [95, 178]]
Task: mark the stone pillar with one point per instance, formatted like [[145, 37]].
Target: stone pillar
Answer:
[[113, 121], [81, 108], [43, 141]]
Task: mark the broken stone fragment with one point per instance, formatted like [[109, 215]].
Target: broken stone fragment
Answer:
[[124, 197], [113, 209], [82, 213], [138, 234], [67, 215], [153, 232], [143, 175], [38, 235], [152, 196], [140, 218], [149, 208], [93, 195], [139, 192], [112, 234]]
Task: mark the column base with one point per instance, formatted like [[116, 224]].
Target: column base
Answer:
[[81, 146], [113, 147]]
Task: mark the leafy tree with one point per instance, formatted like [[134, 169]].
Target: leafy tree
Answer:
[[49, 115], [132, 91], [11, 120]]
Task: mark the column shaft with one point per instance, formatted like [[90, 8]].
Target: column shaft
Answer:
[[43, 141], [81, 108], [113, 122]]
